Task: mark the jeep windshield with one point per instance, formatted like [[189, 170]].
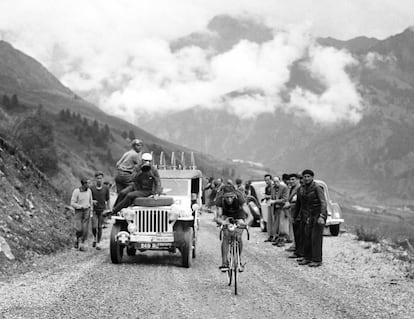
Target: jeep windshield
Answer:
[[175, 187]]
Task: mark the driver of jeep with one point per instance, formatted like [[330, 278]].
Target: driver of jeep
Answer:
[[146, 183], [230, 204]]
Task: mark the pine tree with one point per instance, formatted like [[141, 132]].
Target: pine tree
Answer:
[[6, 101], [124, 135], [131, 135], [14, 102]]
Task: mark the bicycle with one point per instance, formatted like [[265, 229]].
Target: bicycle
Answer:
[[236, 232]]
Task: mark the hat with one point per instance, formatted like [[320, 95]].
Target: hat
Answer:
[[294, 175], [99, 173], [308, 172], [228, 189], [136, 142]]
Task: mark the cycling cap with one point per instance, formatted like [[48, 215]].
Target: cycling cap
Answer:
[[308, 172], [228, 190], [146, 157], [136, 142], [99, 173]]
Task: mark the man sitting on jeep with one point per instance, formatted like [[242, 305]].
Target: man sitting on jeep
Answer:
[[230, 204], [146, 183]]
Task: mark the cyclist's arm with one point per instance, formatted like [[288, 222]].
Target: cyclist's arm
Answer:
[[219, 216], [248, 213]]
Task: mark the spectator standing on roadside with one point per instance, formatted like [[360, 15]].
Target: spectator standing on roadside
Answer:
[[127, 165], [267, 197], [240, 187], [279, 198], [311, 203], [82, 202], [249, 190], [294, 221], [100, 196], [218, 184]]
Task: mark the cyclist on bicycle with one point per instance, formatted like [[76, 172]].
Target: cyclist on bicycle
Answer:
[[230, 204]]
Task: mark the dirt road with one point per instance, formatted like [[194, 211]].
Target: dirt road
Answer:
[[352, 283]]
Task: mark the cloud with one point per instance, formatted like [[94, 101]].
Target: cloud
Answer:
[[247, 80], [340, 101], [371, 59], [117, 53]]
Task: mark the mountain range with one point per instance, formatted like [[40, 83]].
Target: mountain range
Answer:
[[34, 85], [371, 160]]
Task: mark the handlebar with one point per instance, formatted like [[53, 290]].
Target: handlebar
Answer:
[[237, 226]]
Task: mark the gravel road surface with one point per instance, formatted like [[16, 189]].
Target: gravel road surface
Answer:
[[352, 283]]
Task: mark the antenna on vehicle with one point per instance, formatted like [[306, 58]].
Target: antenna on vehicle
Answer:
[[162, 161], [193, 165], [183, 160], [173, 160]]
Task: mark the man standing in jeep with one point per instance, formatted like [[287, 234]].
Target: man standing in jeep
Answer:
[[230, 204], [127, 165], [146, 182], [311, 204]]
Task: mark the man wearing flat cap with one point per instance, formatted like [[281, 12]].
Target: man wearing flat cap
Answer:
[[311, 204], [128, 164]]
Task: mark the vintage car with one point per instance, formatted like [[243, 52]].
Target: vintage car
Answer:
[[333, 221], [168, 222]]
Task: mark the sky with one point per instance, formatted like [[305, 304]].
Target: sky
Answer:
[[117, 53]]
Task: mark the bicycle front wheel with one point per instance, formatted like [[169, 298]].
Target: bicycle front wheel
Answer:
[[231, 261], [236, 260]]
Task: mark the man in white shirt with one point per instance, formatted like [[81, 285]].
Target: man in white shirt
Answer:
[[82, 202]]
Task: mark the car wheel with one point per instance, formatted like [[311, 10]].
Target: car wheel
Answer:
[[187, 248], [334, 229], [115, 248], [263, 226], [131, 251]]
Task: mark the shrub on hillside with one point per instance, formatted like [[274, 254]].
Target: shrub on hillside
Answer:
[[371, 235], [35, 135]]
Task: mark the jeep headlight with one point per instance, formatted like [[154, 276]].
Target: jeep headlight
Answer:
[[132, 227], [128, 215]]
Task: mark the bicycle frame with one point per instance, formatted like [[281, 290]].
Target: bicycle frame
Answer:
[[235, 234]]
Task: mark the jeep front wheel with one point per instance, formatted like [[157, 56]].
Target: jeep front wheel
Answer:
[[187, 248], [116, 249]]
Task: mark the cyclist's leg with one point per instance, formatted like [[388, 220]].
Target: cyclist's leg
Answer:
[[225, 248], [240, 246]]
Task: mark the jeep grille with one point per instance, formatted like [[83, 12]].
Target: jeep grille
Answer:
[[152, 220]]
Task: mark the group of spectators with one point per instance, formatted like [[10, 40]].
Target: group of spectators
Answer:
[[90, 200], [136, 177], [297, 214], [296, 207]]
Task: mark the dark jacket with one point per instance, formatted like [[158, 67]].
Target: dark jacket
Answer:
[[156, 182], [293, 196], [311, 203]]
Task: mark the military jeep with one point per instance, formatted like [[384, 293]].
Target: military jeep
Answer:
[[168, 222]]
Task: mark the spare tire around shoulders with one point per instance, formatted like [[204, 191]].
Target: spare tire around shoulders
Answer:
[[153, 202]]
